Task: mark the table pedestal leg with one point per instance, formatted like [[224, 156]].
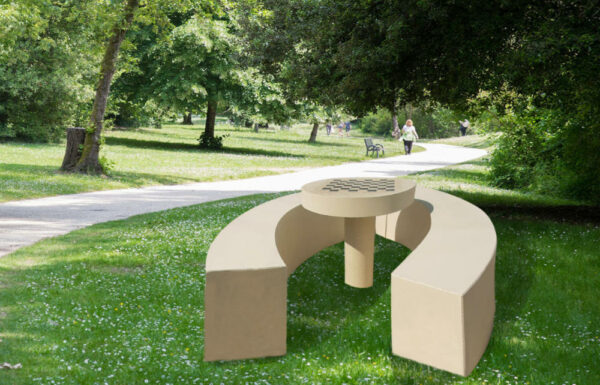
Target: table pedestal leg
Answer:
[[358, 250]]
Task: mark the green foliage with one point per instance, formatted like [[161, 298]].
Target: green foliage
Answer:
[[436, 122], [523, 141], [540, 150], [553, 63], [363, 54], [211, 142], [378, 123], [106, 164], [48, 54]]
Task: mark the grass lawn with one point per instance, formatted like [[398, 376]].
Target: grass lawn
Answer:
[[170, 155], [122, 303], [485, 142]]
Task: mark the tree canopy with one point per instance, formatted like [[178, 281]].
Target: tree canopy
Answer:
[[531, 65]]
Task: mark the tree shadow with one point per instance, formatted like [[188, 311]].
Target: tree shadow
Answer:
[[151, 144], [255, 151], [189, 147], [29, 168], [295, 142]]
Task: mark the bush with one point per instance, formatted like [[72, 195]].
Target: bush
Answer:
[[548, 152], [211, 142], [379, 123], [438, 122], [514, 160], [46, 73]]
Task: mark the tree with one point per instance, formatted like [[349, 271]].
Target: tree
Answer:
[[48, 52], [89, 161], [363, 54], [198, 66], [551, 73], [154, 12]]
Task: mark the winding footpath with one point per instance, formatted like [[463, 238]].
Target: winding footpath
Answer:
[[25, 222]]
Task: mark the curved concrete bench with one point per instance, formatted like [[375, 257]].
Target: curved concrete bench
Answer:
[[442, 293], [247, 267]]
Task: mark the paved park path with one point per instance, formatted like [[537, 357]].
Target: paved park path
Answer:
[[25, 222]]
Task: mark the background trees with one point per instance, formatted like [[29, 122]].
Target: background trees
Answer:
[[532, 66], [48, 57], [554, 119]]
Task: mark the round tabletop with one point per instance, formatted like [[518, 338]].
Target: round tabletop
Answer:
[[358, 197]]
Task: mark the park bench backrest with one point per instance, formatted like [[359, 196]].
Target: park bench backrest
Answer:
[[368, 142]]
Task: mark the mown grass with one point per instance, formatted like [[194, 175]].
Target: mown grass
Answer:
[[122, 303], [483, 141], [149, 156]]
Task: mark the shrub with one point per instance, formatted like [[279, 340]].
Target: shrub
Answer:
[[548, 152], [47, 71], [437, 122], [378, 123], [211, 142]]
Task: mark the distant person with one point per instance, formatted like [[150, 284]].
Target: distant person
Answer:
[[347, 124], [328, 128], [340, 128], [409, 135], [463, 127]]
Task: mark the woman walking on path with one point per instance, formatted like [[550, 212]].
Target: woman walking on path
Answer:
[[409, 135]]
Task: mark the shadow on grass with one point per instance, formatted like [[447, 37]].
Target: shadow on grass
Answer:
[[151, 144], [193, 148], [300, 141], [28, 169]]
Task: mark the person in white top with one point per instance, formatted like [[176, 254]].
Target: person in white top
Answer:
[[409, 135]]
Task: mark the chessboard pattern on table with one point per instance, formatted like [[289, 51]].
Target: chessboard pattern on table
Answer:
[[356, 185]]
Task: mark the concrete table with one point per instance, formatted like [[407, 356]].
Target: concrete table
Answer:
[[358, 201]]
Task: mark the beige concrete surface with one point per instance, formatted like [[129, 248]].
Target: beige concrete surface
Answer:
[[359, 247], [247, 267], [358, 197], [442, 294], [359, 201]]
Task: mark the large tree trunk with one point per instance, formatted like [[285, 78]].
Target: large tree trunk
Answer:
[[89, 162], [313, 133], [75, 139], [187, 118], [395, 125], [211, 117]]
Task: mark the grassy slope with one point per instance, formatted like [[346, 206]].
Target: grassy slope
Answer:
[[170, 155], [122, 302]]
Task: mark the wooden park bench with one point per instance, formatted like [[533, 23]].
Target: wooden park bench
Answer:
[[442, 294], [374, 148]]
